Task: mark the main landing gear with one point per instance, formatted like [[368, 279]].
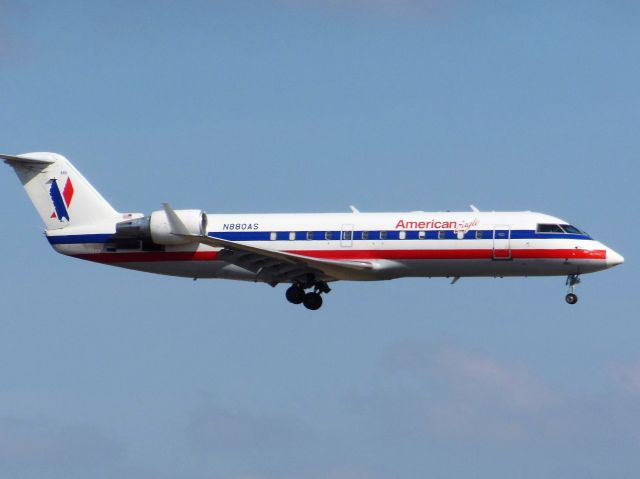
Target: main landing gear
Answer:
[[312, 300], [572, 280]]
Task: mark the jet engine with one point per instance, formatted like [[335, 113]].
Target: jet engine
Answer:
[[157, 229]]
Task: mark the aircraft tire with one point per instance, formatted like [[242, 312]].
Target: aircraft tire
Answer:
[[571, 298], [295, 294], [312, 301]]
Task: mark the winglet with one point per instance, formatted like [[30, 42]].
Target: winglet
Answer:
[[175, 223]]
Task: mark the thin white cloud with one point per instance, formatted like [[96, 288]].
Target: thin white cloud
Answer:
[[349, 472], [41, 442], [420, 8], [483, 378], [217, 429], [452, 393], [11, 13], [470, 374], [627, 377]]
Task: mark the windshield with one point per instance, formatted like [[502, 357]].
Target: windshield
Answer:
[[572, 229], [551, 228], [542, 228]]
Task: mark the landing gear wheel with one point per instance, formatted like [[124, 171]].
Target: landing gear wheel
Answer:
[[295, 294], [571, 298], [572, 280], [312, 301]]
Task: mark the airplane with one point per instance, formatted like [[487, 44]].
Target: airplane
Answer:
[[305, 251]]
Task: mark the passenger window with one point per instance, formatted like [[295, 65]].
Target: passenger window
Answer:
[[346, 235], [309, 235], [543, 228], [422, 234], [273, 236], [365, 235], [402, 235], [442, 234], [292, 236], [478, 234], [327, 235], [383, 235]]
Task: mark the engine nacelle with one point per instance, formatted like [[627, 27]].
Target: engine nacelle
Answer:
[[157, 229], [194, 220]]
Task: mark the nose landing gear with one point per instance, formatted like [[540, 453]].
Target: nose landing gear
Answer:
[[572, 280], [312, 300]]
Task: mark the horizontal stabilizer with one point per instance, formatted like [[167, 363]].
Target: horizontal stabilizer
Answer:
[[26, 161]]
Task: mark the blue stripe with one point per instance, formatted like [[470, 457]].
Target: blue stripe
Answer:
[[372, 235], [76, 239]]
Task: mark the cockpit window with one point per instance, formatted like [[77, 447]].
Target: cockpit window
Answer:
[[544, 228], [548, 228], [572, 229]]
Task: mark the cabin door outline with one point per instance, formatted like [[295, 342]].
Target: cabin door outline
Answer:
[[346, 236]]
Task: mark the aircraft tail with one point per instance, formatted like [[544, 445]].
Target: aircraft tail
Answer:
[[61, 195]]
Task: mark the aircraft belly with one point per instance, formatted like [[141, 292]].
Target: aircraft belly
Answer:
[[386, 263], [489, 267]]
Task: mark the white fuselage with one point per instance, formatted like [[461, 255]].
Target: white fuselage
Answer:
[[413, 244], [305, 250]]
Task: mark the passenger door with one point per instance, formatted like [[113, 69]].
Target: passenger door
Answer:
[[346, 236]]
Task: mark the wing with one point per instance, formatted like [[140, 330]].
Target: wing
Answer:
[[273, 266]]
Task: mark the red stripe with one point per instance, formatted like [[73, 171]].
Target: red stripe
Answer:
[[458, 254], [561, 253], [454, 254]]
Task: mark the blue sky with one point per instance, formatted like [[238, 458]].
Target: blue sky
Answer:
[[287, 106]]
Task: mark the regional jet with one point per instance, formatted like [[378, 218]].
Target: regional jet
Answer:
[[305, 251]]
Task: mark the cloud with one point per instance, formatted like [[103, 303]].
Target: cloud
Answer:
[[468, 375], [214, 428], [43, 442], [449, 393], [421, 8], [11, 13], [349, 472], [453, 398], [487, 380], [246, 444], [626, 376]]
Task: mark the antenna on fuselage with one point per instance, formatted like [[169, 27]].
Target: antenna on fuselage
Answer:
[[354, 209], [474, 209]]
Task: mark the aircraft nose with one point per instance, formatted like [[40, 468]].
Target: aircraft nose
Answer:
[[613, 258]]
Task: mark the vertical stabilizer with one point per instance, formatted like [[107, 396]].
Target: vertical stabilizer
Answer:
[[61, 195]]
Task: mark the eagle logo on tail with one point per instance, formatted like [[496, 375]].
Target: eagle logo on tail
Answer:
[[61, 200]]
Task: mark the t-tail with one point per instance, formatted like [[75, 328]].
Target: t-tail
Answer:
[[60, 194]]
